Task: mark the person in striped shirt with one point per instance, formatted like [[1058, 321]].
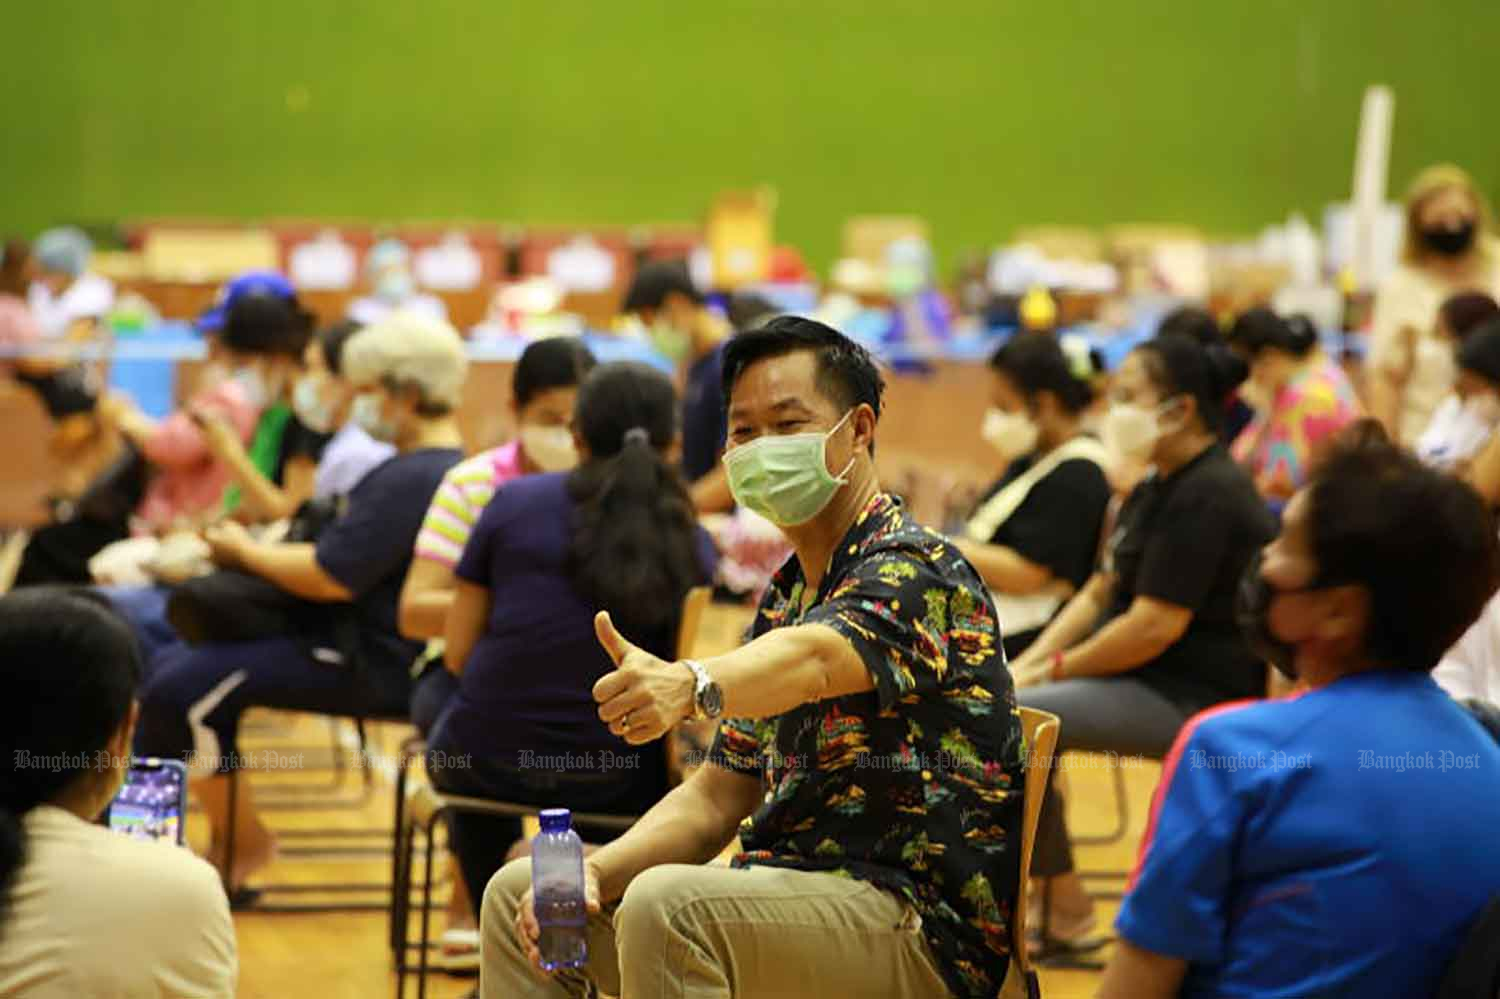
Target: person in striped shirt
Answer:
[[543, 389]]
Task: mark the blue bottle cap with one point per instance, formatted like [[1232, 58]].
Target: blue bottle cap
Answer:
[[556, 820]]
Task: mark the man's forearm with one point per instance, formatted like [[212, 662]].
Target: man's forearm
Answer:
[[786, 668], [686, 827], [294, 568]]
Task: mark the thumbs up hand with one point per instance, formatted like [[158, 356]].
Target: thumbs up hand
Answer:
[[644, 696]]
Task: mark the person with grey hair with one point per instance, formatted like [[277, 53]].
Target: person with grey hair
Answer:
[[347, 655], [66, 297]]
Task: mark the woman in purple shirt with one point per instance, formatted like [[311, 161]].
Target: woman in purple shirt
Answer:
[[549, 552]]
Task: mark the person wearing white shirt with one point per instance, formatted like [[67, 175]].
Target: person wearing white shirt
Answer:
[[1448, 249], [392, 287], [64, 293], [84, 910], [1465, 420]]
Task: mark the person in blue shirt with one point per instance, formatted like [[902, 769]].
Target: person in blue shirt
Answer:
[[685, 331], [408, 371], [1338, 842]]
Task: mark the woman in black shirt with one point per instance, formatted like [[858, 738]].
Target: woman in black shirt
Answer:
[[1034, 535], [1152, 639]]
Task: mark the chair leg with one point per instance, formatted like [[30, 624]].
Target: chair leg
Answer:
[[1122, 815], [401, 907], [426, 940], [226, 872], [399, 837]]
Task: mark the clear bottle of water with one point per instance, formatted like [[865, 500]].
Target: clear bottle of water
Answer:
[[557, 891]]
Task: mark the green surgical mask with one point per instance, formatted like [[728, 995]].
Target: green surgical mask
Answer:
[[670, 342], [785, 479]]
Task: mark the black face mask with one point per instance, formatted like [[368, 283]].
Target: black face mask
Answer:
[[1252, 608], [1449, 242]]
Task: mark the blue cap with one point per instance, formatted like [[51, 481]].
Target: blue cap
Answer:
[[555, 819], [272, 283]]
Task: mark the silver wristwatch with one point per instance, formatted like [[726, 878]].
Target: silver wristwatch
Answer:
[[708, 698]]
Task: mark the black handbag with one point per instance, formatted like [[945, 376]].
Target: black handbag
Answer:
[[232, 606]]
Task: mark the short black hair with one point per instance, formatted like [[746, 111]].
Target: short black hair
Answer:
[[1194, 323], [555, 362], [266, 324], [655, 280], [1035, 362], [1422, 543], [747, 310], [846, 373], [331, 341], [1467, 311], [1480, 351], [1260, 328], [1179, 365]]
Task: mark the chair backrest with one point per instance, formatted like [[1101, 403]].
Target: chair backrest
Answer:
[[693, 606], [1040, 729]]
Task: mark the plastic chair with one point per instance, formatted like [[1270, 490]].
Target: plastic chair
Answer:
[[425, 808], [420, 807], [1040, 730], [348, 891]]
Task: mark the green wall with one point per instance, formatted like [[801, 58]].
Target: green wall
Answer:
[[979, 115]]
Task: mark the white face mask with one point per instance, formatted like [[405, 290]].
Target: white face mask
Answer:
[[366, 414], [1011, 434], [1130, 431], [550, 448], [395, 286], [310, 406], [258, 388]]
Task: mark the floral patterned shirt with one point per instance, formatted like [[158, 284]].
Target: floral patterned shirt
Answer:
[[917, 785]]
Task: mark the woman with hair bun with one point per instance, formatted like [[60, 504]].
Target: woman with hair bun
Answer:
[[1301, 400], [1034, 535], [1152, 638]]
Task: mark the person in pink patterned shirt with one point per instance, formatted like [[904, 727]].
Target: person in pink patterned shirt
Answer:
[[1301, 399]]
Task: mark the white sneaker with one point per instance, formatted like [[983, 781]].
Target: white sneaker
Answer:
[[457, 952]]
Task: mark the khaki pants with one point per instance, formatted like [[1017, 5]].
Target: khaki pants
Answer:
[[685, 931]]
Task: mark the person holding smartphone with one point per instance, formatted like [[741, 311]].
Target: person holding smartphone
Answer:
[[84, 910]]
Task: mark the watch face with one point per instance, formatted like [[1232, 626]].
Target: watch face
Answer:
[[711, 700]]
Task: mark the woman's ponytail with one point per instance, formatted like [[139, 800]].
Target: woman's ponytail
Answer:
[[634, 549]]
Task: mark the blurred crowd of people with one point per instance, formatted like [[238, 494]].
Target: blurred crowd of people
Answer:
[[1167, 549]]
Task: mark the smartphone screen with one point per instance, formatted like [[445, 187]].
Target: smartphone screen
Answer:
[[151, 803]]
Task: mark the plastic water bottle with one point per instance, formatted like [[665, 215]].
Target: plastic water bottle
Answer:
[[557, 891]]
